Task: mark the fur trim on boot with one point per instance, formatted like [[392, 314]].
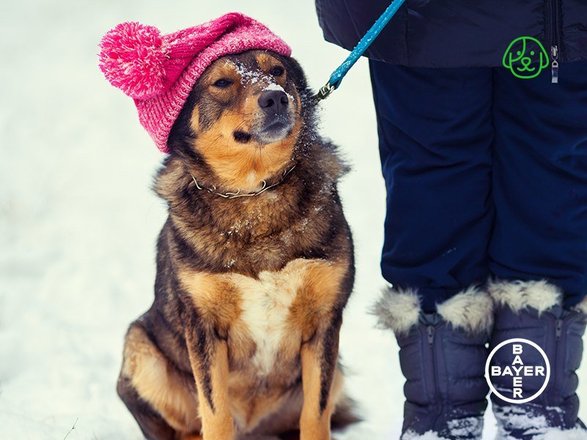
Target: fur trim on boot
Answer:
[[520, 295], [582, 306], [399, 310], [471, 310]]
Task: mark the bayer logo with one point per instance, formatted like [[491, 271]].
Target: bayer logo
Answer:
[[517, 370]]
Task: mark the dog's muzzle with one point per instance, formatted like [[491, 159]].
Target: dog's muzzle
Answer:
[[277, 117]]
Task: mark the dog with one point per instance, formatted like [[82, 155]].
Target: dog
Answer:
[[254, 267]]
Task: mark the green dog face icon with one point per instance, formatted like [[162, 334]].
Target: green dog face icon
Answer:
[[525, 57]]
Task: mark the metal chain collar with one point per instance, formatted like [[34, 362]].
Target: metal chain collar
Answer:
[[234, 195]]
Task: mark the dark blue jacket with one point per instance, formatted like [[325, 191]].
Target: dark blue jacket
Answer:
[[457, 33]]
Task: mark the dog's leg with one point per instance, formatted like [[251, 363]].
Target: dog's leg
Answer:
[[321, 382], [156, 394], [209, 360], [151, 423], [317, 311]]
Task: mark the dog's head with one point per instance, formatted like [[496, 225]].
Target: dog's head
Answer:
[[243, 118], [525, 57]]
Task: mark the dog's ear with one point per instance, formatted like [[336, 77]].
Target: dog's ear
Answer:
[[181, 137], [296, 73]]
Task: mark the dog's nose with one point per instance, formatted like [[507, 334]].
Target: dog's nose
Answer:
[[273, 100]]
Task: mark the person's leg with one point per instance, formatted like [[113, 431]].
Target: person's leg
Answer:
[[538, 248], [435, 135]]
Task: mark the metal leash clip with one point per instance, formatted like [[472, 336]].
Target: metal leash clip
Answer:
[[324, 92]]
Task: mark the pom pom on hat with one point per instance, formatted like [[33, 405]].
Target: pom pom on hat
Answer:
[[132, 57]]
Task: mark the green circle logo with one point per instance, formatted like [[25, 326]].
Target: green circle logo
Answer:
[[525, 57]]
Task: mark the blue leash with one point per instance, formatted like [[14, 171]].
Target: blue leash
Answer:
[[340, 72]]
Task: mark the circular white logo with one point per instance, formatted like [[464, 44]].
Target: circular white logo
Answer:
[[518, 371]]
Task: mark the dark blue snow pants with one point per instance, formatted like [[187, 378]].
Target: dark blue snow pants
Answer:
[[486, 176]]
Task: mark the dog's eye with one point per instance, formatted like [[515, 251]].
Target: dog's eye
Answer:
[[276, 71], [223, 83]]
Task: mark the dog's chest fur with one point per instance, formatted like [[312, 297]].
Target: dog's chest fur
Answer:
[[265, 319], [265, 309]]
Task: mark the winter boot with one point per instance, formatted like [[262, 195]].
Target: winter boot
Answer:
[[442, 357], [532, 310]]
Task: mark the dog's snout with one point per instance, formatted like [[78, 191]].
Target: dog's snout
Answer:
[[273, 100]]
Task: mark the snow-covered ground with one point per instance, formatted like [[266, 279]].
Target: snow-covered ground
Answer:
[[78, 221]]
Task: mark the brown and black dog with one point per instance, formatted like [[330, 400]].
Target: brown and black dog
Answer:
[[254, 267]]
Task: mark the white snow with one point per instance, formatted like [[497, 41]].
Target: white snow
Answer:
[[251, 76], [557, 434], [78, 221], [274, 86], [411, 435], [536, 425]]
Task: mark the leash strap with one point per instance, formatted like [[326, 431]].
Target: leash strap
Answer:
[[340, 72]]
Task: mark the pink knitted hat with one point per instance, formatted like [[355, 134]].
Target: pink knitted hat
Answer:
[[159, 71]]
